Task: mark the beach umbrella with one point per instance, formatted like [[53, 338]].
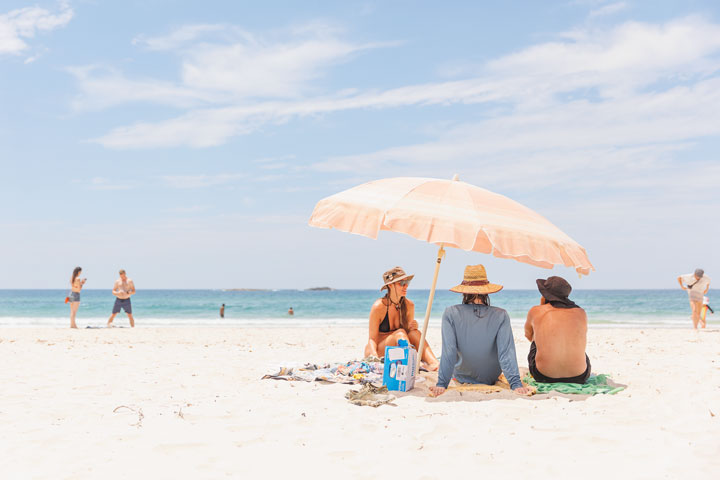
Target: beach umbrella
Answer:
[[450, 213]]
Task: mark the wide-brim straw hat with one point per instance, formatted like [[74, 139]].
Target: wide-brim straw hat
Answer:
[[395, 275], [475, 282]]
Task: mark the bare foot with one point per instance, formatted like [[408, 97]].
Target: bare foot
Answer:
[[432, 367], [73, 326]]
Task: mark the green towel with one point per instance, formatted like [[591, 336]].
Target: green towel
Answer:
[[594, 385]]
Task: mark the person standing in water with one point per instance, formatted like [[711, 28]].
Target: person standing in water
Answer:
[[123, 289], [697, 285], [222, 311], [76, 285], [291, 311]]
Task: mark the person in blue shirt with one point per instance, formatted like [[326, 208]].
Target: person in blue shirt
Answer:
[[477, 341]]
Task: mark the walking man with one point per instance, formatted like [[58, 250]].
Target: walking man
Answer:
[[697, 285], [123, 289], [222, 311]]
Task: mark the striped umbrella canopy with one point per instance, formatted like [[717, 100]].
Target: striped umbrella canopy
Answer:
[[451, 213]]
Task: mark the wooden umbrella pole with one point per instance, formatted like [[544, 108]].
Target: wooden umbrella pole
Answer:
[[440, 255]]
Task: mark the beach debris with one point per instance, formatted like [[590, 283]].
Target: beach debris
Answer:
[[138, 411], [711, 413], [370, 396]]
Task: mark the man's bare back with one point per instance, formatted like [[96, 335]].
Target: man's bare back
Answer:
[[560, 335]]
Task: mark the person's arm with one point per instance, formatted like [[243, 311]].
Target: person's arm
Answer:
[[506, 353], [115, 290], [412, 323], [529, 333], [449, 352], [680, 279], [374, 323], [132, 288]]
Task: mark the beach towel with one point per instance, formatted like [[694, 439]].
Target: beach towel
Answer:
[[594, 385], [370, 396], [354, 372]]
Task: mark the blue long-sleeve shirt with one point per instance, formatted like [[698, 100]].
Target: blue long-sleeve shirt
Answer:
[[477, 344]]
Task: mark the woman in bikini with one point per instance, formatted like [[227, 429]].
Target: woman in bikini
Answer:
[[392, 318], [76, 284]]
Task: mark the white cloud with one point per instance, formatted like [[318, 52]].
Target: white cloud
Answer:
[[201, 181], [18, 26], [103, 87], [222, 66], [607, 10], [622, 67]]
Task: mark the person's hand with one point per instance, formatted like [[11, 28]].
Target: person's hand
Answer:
[[413, 325], [523, 391], [437, 391]]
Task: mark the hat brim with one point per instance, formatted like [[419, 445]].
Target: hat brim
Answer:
[[399, 279], [478, 289]]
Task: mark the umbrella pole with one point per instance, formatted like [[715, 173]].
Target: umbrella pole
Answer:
[[440, 255]]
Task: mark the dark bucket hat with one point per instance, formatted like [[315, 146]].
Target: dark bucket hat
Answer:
[[556, 291]]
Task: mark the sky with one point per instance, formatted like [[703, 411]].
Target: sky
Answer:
[[188, 142]]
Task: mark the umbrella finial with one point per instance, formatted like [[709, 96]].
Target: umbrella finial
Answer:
[[456, 177]]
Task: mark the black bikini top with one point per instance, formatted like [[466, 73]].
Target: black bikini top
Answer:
[[385, 324]]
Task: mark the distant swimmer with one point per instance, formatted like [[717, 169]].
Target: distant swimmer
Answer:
[[291, 311], [222, 311], [123, 289], [76, 285], [697, 285]]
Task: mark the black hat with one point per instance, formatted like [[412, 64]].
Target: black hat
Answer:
[[556, 291]]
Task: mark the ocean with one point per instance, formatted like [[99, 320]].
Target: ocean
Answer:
[[624, 308]]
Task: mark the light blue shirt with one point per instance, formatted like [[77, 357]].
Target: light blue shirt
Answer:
[[477, 344]]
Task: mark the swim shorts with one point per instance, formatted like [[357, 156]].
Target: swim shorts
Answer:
[[122, 304], [539, 377]]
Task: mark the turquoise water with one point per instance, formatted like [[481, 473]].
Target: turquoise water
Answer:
[[316, 308]]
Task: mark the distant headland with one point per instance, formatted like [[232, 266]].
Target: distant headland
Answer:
[[319, 289]]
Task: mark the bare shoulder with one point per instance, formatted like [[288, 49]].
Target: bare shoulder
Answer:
[[538, 311], [409, 302], [378, 305]]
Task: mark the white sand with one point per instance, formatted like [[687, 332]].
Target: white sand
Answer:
[[207, 414]]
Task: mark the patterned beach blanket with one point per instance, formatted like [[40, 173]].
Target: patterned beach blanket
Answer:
[[349, 373], [595, 384]]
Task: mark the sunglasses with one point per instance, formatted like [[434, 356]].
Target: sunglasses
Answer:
[[404, 283]]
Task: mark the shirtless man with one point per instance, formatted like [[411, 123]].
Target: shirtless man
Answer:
[[697, 285], [123, 289], [557, 329]]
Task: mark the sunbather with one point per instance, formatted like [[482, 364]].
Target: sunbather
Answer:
[[477, 341], [557, 329], [392, 318]]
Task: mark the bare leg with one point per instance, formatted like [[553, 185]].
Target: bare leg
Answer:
[[694, 306], [110, 320], [371, 349], [392, 339], [73, 311], [132, 320], [427, 355]]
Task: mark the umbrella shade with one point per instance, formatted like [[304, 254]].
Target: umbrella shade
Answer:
[[452, 214]]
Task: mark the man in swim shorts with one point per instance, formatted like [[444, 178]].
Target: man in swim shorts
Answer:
[[123, 289], [557, 329], [697, 285]]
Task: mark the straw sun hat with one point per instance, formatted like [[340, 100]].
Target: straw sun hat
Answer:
[[475, 281]]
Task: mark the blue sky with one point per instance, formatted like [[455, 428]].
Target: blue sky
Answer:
[[188, 142]]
